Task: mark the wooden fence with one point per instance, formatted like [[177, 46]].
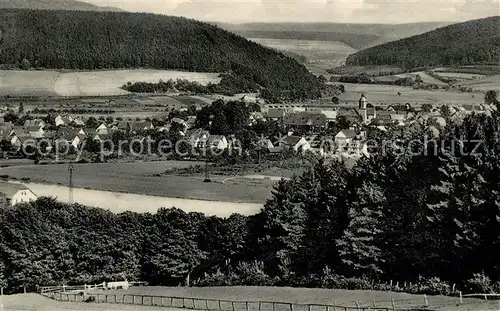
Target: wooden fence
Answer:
[[73, 294]]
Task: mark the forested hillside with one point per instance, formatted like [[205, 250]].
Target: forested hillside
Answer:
[[99, 40], [472, 42], [424, 213], [53, 5]]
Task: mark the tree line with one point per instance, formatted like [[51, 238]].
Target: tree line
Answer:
[[105, 40]]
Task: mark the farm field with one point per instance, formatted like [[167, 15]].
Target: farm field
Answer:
[[136, 178], [332, 53], [388, 94], [484, 84], [301, 296], [459, 75], [90, 83], [28, 83]]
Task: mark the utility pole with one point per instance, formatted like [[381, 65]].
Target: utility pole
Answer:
[[70, 169]]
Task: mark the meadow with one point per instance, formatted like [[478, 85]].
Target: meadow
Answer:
[[144, 178], [299, 296], [483, 84], [388, 94], [35, 302], [331, 53], [88, 83]]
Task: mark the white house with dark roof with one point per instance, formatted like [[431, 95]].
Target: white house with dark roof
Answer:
[[296, 143], [16, 193]]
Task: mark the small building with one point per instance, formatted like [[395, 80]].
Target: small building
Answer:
[[218, 141], [296, 143], [16, 193], [63, 120], [36, 123], [345, 137]]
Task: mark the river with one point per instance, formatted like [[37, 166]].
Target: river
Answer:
[[118, 202]]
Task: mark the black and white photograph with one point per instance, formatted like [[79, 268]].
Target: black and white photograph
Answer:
[[250, 155]]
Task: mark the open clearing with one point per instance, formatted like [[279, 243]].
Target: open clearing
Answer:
[[332, 52], [88, 83], [137, 178], [388, 94], [303, 296]]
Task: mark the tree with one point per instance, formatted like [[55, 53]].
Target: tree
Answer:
[[490, 98], [335, 100], [342, 122], [20, 111], [427, 107], [25, 64], [418, 79]]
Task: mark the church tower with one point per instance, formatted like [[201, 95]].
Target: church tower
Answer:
[[363, 109]]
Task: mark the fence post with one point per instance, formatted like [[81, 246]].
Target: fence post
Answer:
[[334, 306], [194, 306], [220, 307], [232, 303], [183, 303], [374, 304], [133, 299], [142, 300], [393, 303], [206, 303], [291, 306], [461, 301], [357, 305], [246, 305]]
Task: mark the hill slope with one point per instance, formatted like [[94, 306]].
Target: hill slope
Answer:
[[357, 36], [53, 5], [472, 42], [100, 40]]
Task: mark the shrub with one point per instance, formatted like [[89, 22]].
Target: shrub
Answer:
[[479, 284], [216, 279], [252, 274], [433, 286]]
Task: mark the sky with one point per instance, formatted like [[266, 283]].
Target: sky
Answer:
[[335, 11]]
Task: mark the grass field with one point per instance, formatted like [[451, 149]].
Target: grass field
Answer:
[[35, 302], [331, 52], [137, 178], [91, 83], [28, 83], [484, 84], [300, 296], [388, 94]]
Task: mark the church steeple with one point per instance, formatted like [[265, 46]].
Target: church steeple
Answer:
[[362, 102]]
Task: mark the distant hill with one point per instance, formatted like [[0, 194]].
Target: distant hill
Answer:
[[53, 5], [472, 42], [101, 40], [357, 36]]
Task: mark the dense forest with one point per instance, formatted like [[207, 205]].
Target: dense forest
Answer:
[[469, 43], [53, 5], [427, 213], [102, 40]]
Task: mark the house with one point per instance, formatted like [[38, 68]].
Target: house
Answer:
[[218, 141], [78, 122], [16, 193], [275, 114], [70, 136], [134, 126], [197, 138], [296, 143], [63, 120], [36, 132], [301, 119], [345, 137], [6, 129], [102, 129], [36, 123]]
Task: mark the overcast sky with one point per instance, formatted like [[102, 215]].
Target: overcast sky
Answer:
[[341, 11]]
